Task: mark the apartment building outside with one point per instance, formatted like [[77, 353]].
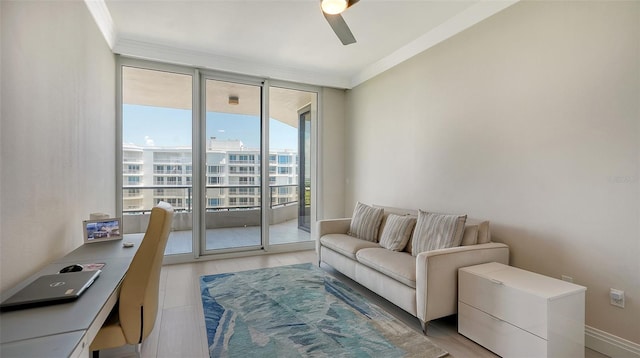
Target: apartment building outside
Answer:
[[152, 174]]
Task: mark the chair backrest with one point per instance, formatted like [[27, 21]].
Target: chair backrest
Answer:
[[138, 300]]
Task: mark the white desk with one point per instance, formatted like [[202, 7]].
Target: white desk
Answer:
[[67, 330]]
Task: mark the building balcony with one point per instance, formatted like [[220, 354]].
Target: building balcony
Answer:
[[227, 226]]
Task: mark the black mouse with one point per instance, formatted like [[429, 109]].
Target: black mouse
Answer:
[[71, 268]]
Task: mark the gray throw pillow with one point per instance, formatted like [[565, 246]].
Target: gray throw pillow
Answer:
[[365, 222], [470, 235], [437, 231], [396, 232]]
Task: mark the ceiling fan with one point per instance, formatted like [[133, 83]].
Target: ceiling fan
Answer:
[[331, 10]]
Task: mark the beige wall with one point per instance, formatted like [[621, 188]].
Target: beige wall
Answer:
[[332, 154], [530, 119], [57, 132]]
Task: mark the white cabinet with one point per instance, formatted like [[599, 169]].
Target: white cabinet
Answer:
[[517, 313]]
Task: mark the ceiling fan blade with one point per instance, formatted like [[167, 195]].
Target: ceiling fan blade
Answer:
[[341, 28]]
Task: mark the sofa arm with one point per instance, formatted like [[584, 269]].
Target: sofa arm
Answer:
[[330, 226], [437, 276], [333, 226]]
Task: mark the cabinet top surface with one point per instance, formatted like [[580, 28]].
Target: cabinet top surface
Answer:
[[532, 282]]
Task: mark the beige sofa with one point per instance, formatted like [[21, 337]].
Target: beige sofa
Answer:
[[424, 285]]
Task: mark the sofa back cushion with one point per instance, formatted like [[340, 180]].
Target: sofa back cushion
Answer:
[[437, 231], [470, 235], [365, 222], [479, 228], [388, 210], [475, 231], [396, 231]]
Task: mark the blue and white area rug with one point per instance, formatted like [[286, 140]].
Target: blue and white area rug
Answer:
[[300, 311]]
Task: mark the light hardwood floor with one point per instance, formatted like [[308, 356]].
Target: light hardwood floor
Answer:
[[180, 329]]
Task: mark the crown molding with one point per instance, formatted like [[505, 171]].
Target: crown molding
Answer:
[[451, 27], [191, 57], [102, 17]]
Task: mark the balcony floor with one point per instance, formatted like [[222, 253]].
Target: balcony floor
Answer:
[[180, 242]]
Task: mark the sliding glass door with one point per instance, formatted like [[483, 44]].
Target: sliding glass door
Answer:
[[233, 214], [156, 150], [304, 179], [233, 155], [290, 115]]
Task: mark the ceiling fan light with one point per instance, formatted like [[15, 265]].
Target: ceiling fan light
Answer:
[[333, 7]]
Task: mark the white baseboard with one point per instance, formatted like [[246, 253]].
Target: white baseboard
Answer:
[[611, 345]]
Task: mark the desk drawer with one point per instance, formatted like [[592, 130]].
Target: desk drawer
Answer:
[[498, 336], [499, 299]]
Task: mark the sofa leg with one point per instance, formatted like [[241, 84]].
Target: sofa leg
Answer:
[[424, 325]]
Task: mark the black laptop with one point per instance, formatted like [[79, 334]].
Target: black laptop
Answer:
[[51, 289]]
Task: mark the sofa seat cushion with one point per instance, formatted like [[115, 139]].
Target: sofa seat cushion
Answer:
[[400, 266], [345, 244]]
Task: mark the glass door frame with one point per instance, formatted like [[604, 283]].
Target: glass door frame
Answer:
[[302, 166], [316, 114], [199, 148], [121, 62], [200, 132]]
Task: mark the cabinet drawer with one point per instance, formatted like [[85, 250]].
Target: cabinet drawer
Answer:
[[498, 336], [522, 309]]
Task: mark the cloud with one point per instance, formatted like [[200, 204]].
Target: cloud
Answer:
[[148, 141]]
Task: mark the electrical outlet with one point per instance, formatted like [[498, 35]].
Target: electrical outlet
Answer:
[[567, 278], [617, 297]]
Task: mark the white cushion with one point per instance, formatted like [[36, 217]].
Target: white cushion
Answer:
[[398, 265], [345, 244]]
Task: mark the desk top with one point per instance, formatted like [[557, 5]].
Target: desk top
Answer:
[[67, 319]]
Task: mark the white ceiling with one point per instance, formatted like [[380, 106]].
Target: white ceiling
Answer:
[[286, 39]]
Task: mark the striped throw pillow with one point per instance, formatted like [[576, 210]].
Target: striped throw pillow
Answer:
[[365, 222], [396, 232], [437, 231]]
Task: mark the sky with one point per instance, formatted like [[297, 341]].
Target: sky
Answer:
[[159, 126]]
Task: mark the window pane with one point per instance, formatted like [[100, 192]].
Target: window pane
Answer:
[[289, 211], [233, 214], [156, 137]]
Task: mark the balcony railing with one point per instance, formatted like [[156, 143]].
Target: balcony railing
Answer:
[[181, 196]]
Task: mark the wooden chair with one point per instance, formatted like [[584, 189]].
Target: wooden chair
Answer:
[[134, 315]]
